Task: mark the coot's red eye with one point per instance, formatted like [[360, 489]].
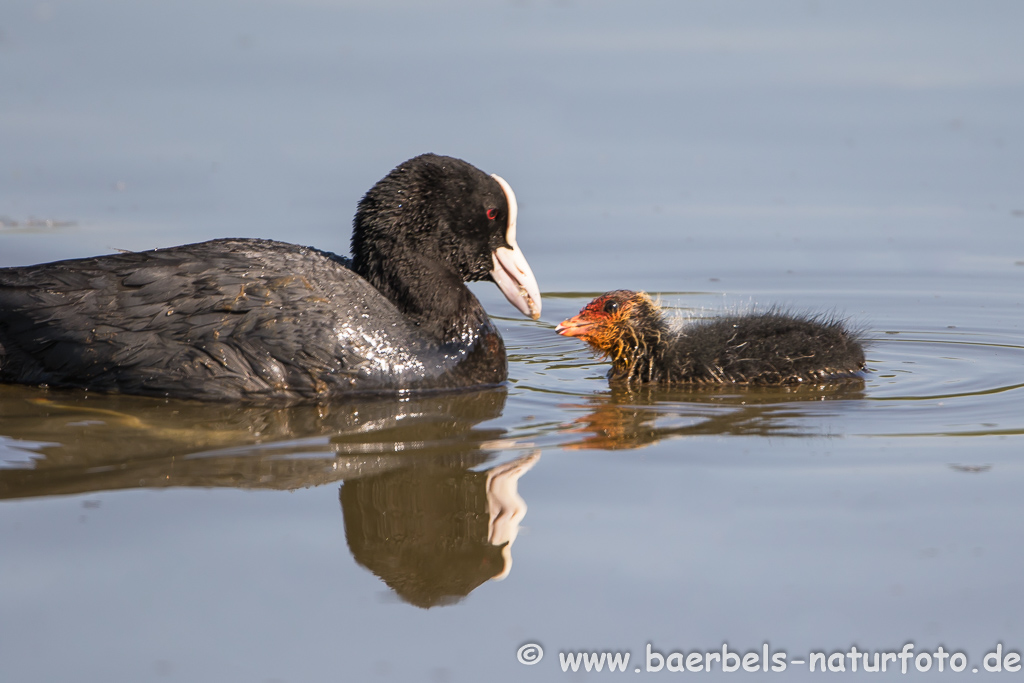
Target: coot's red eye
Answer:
[[492, 214]]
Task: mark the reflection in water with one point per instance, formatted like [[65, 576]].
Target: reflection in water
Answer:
[[415, 512], [635, 417], [33, 225], [432, 532], [75, 442]]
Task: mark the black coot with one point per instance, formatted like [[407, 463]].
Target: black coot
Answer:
[[248, 319], [770, 347]]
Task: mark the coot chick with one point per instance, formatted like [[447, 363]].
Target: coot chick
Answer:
[[769, 347], [250, 319]]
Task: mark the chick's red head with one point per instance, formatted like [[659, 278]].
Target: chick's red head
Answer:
[[605, 321]]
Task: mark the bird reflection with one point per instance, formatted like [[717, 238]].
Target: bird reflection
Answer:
[[635, 417], [74, 442], [417, 509], [434, 533]]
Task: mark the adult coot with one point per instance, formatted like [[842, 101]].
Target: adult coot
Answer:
[[255, 319], [769, 347]]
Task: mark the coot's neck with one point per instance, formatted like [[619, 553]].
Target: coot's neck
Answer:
[[428, 292], [639, 351]]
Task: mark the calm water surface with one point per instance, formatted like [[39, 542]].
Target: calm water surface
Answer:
[[860, 159]]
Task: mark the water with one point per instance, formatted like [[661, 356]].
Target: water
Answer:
[[863, 159]]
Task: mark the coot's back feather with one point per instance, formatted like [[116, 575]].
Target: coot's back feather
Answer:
[[770, 347], [215, 320]]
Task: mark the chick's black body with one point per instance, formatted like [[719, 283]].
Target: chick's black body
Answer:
[[762, 348], [256, 319]]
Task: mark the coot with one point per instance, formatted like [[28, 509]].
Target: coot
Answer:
[[768, 347], [251, 319]]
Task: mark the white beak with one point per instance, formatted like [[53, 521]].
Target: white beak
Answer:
[[511, 271]]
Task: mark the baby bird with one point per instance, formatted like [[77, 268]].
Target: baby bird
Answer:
[[761, 348]]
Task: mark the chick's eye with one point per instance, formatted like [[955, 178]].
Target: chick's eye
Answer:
[[611, 306], [492, 214]]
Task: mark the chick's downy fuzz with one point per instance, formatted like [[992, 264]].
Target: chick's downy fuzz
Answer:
[[766, 347]]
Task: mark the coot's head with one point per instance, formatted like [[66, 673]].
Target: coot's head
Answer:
[[438, 212], [618, 324]]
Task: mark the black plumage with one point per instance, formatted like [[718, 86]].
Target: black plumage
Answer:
[[256, 319], [759, 348]]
